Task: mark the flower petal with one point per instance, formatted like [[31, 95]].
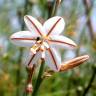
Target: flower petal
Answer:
[[54, 25], [23, 38], [61, 41], [52, 59], [33, 58], [34, 25]]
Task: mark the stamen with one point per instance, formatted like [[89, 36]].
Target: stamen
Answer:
[[46, 44], [46, 37], [34, 48]]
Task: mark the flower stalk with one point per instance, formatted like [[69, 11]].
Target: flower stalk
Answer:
[[29, 87], [87, 88], [56, 4], [30, 71], [39, 79]]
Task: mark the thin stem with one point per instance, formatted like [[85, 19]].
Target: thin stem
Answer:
[[54, 10], [90, 82], [80, 40], [39, 79], [30, 71], [68, 87], [88, 8]]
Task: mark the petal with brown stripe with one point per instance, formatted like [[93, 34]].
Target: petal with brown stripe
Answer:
[[61, 41], [33, 58], [23, 38], [34, 25], [52, 59], [54, 25]]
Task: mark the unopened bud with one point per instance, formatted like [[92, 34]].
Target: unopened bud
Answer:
[[29, 88], [58, 1], [73, 63]]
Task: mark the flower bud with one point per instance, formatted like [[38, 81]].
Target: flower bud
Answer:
[[29, 88], [58, 1], [73, 62]]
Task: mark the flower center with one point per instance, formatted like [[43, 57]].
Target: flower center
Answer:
[[41, 44], [38, 38]]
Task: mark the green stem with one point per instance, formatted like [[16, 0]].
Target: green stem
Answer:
[[54, 8], [88, 10], [39, 79], [86, 90], [30, 71]]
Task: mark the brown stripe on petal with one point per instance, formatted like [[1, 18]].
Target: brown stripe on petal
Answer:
[[53, 58], [34, 25], [56, 41], [32, 57], [30, 71], [53, 26], [23, 39], [73, 63]]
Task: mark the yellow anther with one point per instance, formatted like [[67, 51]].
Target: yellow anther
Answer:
[[34, 48], [46, 37], [38, 42]]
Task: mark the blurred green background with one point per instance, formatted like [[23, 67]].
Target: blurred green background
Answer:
[[80, 18]]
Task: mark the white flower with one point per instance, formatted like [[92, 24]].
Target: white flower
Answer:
[[41, 40]]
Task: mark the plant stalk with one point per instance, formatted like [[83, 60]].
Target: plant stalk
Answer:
[[55, 6], [39, 79], [90, 82]]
